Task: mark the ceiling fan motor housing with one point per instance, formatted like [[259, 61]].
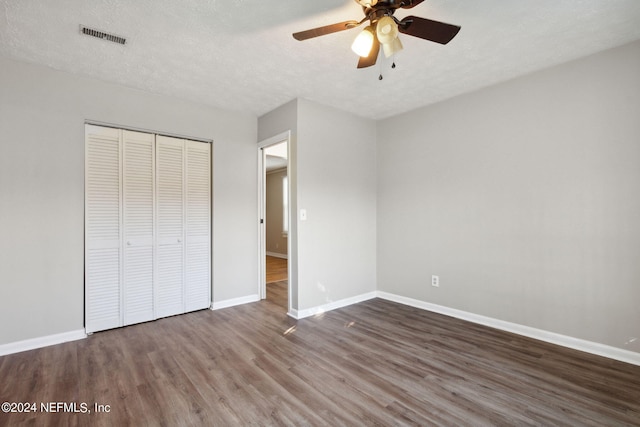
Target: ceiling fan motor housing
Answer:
[[387, 4]]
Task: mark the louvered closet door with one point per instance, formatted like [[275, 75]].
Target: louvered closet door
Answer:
[[198, 226], [103, 291], [169, 286], [138, 221]]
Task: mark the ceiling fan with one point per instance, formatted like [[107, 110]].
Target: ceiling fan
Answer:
[[383, 29]]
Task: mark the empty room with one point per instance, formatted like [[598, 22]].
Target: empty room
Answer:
[[336, 212]]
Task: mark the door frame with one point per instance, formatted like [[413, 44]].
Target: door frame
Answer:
[[262, 195]]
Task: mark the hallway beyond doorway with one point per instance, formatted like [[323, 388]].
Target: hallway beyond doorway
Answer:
[[276, 269]]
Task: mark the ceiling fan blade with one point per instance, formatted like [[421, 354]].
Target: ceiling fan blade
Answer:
[[327, 29], [408, 4], [427, 29], [370, 60]]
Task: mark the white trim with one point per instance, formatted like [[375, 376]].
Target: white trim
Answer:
[[281, 137], [235, 301], [527, 331], [143, 130], [33, 343], [321, 309], [293, 313], [262, 283], [262, 223], [277, 255]]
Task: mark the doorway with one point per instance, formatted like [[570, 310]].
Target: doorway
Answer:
[[274, 217]]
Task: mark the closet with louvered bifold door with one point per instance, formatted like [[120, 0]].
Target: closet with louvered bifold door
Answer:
[[147, 227]]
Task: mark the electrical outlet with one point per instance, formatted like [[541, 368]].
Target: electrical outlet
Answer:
[[435, 281]]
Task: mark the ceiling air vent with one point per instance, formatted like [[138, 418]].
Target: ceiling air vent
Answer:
[[102, 35]]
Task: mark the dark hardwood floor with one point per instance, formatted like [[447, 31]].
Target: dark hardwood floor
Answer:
[[373, 363], [277, 293]]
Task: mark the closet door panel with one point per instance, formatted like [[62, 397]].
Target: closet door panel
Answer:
[[147, 227], [103, 290], [198, 282], [169, 287], [138, 220], [169, 290], [103, 293], [198, 226]]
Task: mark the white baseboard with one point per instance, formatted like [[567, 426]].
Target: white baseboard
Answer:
[[277, 255], [539, 334], [235, 301], [33, 343], [314, 311]]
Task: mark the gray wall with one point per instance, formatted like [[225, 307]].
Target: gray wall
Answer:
[[336, 184], [276, 242], [42, 115], [332, 176], [524, 198], [282, 119]]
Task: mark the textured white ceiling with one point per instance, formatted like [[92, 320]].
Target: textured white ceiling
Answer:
[[239, 54]]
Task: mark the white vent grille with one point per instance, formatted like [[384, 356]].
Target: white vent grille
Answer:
[[102, 35]]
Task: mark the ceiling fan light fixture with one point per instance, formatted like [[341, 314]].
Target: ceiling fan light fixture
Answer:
[[382, 32], [364, 42], [392, 48], [386, 30], [387, 33]]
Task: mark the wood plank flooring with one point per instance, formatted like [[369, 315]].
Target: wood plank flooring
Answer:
[[276, 269], [373, 363], [277, 293]]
